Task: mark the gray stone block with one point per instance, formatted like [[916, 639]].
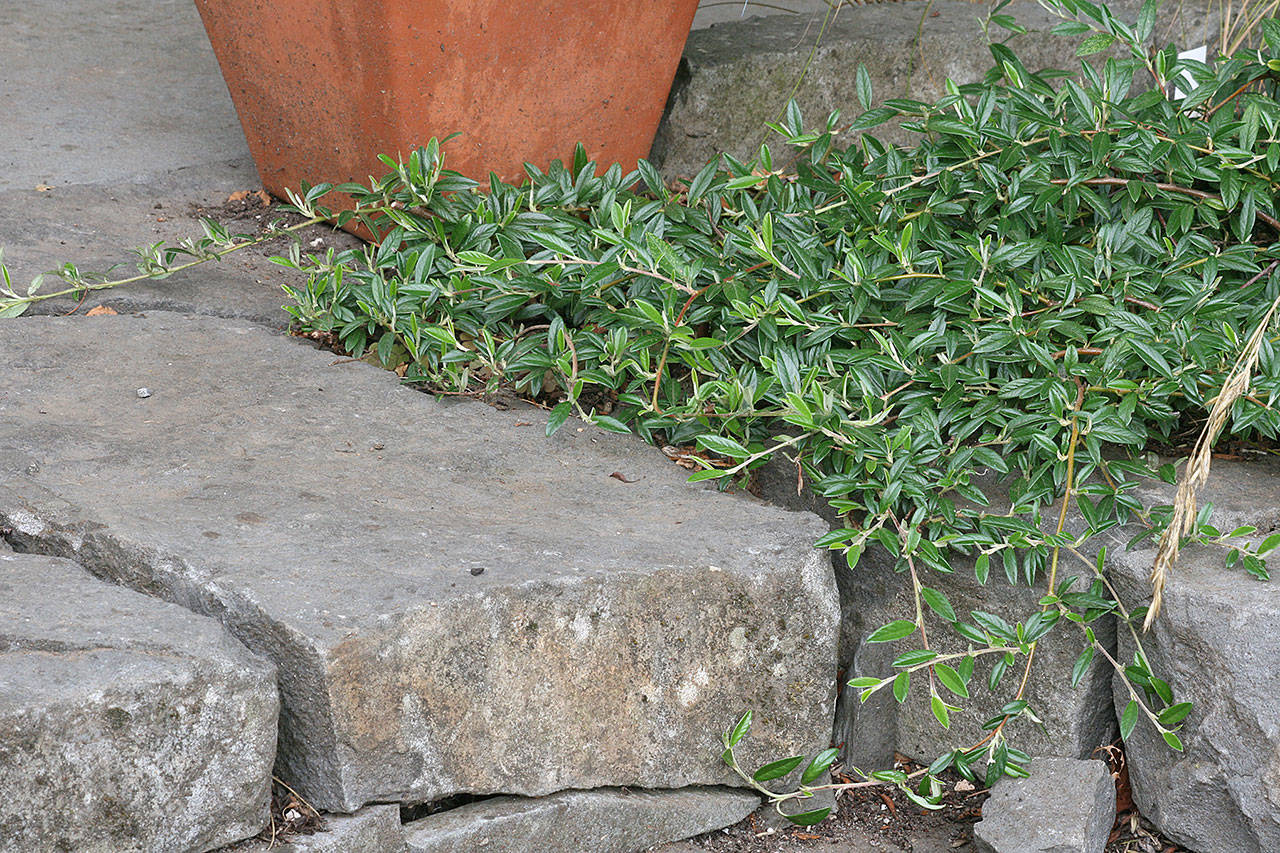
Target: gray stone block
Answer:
[[455, 602], [126, 724], [1065, 806], [602, 821], [737, 76], [1076, 720], [373, 829], [1216, 643]]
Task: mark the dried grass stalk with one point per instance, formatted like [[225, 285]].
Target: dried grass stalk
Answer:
[[1197, 470]]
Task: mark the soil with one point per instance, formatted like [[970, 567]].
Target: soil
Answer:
[[251, 211], [869, 820], [866, 819]]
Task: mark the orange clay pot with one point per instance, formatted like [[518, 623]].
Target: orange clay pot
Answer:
[[322, 87]]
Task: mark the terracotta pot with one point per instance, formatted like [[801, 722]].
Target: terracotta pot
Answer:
[[324, 86]]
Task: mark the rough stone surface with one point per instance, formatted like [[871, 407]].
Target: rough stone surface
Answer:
[[97, 227], [126, 723], [1216, 643], [602, 821], [336, 522], [737, 76], [1065, 806], [122, 134], [373, 829], [1077, 720], [90, 116]]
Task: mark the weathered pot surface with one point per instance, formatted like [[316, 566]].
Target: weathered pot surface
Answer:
[[323, 88]]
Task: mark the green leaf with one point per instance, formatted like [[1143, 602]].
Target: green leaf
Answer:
[[836, 538], [821, 764], [558, 416], [723, 446], [611, 424], [739, 730], [914, 658], [702, 181], [1146, 20], [1081, 665], [995, 625], [1153, 358], [901, 685], [1172, 740], [1039, 625], [810, 817], [951, 680], [1009, 23], [1071, 28], [938, 603], [981, 568], [777, 769], [651, 178], [1174, 714], [862, 86], [479, 259], [1095, 43], [1269, 544], [1128, 719], [997, 673], [969, 632], [939, 709], [872, 118], [895, 630], [734, 735], [1271, 33]]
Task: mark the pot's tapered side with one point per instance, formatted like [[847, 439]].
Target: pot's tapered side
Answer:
[[323, 88]]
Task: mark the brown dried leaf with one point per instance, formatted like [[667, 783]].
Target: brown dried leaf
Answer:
[[99, 311]]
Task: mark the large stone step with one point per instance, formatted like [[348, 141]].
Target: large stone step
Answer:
[[1216, 643], [455, 603], [126, 724], [601, 821]]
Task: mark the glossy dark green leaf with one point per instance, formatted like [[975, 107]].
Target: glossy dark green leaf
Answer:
[[723, 446], [901, 685], [810, 817], [819, 766], [895, 630], [1174, 714], [938, 603], [558, 415], [1128, 719], [940, 711], [1081, 666], [914, 658], [951, 679], [777, 769]]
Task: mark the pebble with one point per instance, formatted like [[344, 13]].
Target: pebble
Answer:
[[144, 393]]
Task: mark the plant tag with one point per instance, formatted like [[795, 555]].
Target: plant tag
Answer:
[[1200, 54]]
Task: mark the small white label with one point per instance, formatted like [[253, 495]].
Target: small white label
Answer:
[[1200, 54]]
